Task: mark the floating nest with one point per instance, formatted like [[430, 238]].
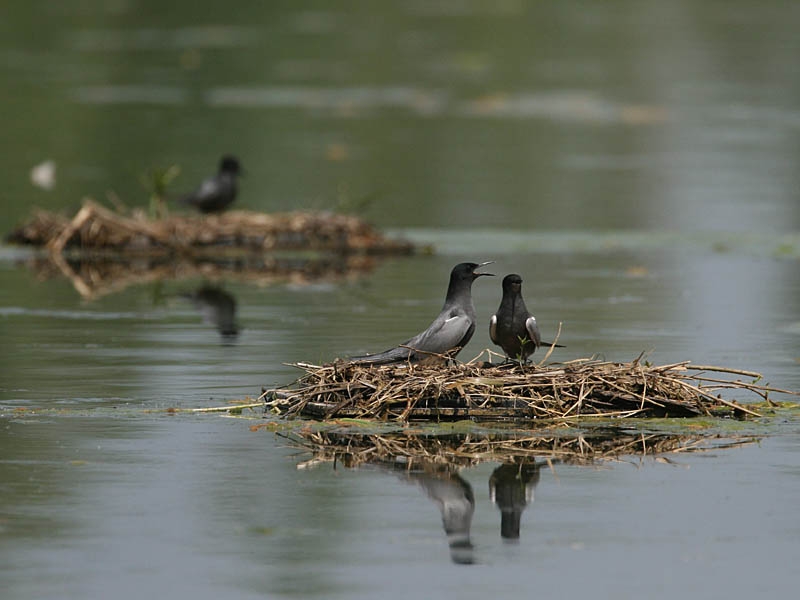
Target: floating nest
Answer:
[[96, 228], [469, 449], [494, 392]]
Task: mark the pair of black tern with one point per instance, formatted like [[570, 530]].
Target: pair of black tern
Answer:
[[512, 328], [218, 192]]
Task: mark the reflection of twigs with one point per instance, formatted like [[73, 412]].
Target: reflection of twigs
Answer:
[[354, 449], [84, 290], [100, 275]]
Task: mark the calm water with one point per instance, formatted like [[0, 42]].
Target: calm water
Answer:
[[635, 162]]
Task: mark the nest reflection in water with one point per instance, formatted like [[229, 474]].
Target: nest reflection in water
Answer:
[[469, 449], [97, 276], [102, 251], [433, 463]]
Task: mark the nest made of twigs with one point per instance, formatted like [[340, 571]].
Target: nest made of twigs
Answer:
[[484, 391], [95, 227]]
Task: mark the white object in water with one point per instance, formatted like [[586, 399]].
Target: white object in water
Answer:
[[43, 175]]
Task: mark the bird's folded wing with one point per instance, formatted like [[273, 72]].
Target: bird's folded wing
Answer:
[[533, 331], [207, 189], [443, 335], [493, 329]]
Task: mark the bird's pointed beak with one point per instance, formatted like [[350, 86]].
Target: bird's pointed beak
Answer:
[[483, 264]]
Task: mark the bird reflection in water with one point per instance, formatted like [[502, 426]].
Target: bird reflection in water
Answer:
[[511, 484], [218, 308], [456, 502], [511, 489]]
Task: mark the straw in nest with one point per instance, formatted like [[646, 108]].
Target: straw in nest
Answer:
[[485, 391]]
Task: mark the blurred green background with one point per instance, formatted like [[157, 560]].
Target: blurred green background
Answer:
[[452, 113]]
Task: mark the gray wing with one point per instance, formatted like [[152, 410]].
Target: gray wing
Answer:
[[208, 189], [533, 330], [444, 334]]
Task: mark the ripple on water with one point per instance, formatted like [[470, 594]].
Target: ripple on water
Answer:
[[195, 38], [129, 94], [77, 315]]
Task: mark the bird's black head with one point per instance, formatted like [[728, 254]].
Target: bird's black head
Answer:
[[512, 283], [467, 271], [230, 164]]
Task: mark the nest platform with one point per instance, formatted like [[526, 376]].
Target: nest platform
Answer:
[[483, 391], [97, 228]]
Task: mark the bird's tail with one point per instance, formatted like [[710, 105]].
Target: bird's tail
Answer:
[[548, 344], [393, 355]]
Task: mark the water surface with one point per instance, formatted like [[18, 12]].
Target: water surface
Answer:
[[635, 162]]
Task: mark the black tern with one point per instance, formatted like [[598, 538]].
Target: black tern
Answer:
[[512, 327], [448, 333], [216, 193]]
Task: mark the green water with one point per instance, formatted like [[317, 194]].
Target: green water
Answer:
[[635, 162]]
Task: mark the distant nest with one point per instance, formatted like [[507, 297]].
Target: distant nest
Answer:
[[96, 228], [462, 449], [490, 392]]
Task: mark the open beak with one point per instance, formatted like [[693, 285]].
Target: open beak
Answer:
[[483, 264]]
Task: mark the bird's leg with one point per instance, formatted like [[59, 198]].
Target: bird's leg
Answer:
[[450, 359]]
